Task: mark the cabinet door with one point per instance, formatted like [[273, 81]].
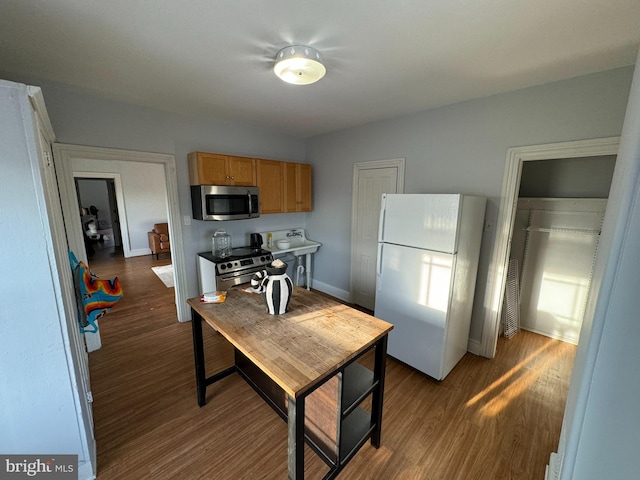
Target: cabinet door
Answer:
[[241, 171], [303, 190], [297, 187], [290, 187], [269, 176], [208, 169]]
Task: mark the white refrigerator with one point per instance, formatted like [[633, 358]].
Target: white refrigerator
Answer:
[[428, 251]]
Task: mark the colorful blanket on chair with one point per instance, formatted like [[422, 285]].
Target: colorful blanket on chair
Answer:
[[94, 296]]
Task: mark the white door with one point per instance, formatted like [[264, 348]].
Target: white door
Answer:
[[371, 180]]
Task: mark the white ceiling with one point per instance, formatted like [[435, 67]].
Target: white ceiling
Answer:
[[384, 58]]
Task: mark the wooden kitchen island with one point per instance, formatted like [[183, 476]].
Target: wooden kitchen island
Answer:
[[307, 365]]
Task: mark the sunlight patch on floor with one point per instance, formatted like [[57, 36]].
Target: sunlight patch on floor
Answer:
[[508, 386]]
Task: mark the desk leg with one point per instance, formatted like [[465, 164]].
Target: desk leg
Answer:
[[378, 393], [198, 352], [295, 451]]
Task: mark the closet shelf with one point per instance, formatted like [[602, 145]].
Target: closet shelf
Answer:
[[580, 231]]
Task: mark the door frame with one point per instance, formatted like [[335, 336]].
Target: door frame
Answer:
[[64, 154], [398, 163], [122, 213], [497, 276]]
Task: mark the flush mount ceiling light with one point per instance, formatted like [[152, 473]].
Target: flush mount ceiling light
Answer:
[[299, 65]]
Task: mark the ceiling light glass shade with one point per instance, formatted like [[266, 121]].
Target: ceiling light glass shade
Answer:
[[299, 65]]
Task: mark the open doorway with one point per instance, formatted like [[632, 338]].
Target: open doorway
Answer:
[[71, 159], [516, 158], [555, 236], [99, 215]]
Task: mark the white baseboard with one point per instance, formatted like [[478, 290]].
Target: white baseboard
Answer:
[[93, 340], [552, 471], [343, 295], [562, 338], [140, 252], [85, 471], [474, 346]]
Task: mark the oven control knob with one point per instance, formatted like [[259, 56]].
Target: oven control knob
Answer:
[[223, 266], [229, 265]]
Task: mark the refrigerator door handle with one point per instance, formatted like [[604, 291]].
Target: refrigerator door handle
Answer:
[[379, 269], [382, 215]]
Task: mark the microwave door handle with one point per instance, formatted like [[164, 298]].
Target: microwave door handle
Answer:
[[250, 205]]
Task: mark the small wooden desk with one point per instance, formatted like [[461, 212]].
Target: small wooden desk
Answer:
[[285, 358]]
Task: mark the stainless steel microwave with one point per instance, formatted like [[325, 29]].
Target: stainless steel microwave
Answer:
[[214, 202]]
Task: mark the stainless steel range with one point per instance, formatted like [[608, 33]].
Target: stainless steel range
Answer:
[[222, 273]]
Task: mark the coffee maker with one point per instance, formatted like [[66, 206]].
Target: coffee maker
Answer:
[[255, 241]]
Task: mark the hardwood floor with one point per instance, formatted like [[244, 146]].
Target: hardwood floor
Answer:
[[489, 419]]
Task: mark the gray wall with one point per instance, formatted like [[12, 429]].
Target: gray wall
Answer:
[[459, 148], [568, 178]]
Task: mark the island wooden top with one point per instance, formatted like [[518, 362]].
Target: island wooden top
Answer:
[[299, 348]]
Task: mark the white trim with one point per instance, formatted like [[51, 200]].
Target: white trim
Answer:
[[37, 102], [331, 290], [122, 211], [64, 154], [496, 279], [398, 163]]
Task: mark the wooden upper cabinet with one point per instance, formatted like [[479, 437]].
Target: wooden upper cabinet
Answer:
[[242, 170], [303, 192], [297, 187], [218, 169], [270, 183], [284, 186], [290, 187]]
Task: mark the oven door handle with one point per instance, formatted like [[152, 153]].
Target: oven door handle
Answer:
[[234, 275]]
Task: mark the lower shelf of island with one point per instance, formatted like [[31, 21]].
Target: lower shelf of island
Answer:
[[337, 419]]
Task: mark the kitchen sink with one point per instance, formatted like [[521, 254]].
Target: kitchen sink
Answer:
[[300, 244], [296, 248]]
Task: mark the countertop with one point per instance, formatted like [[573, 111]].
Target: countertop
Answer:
[[296, 349]]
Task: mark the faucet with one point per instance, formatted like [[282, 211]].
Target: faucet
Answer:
[[294, 233]]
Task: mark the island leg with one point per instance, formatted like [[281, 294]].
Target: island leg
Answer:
[[198, 353], [295, 421], [378, 393]]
